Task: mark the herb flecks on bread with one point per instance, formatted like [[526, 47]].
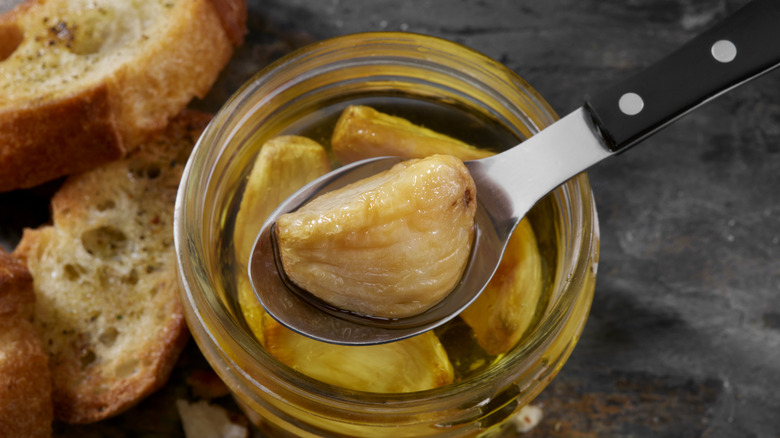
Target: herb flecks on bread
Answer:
[[82, 82], [107, 297]]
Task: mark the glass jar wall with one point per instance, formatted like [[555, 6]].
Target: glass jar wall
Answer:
[[448, 88]]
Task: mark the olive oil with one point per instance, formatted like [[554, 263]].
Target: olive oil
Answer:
[[317, 123]]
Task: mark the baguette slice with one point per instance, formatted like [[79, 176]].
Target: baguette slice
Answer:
[[25, 383], [107, 296], [83, 82]]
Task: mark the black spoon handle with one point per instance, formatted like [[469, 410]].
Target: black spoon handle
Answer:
[[741, 47]]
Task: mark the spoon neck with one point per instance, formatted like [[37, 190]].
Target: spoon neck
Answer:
[[510, 183]]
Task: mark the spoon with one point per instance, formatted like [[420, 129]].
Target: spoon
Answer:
[[731, 53]]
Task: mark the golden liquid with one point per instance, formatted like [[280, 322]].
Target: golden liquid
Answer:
[[458, 339]]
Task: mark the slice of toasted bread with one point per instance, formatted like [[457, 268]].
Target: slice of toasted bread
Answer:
[[107, 296], [82, 82], [25, 383]]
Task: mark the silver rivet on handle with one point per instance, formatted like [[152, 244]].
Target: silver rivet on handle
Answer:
[[724, 51], [631, 104]]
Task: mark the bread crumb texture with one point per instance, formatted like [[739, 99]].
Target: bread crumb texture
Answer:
[[107, 297]]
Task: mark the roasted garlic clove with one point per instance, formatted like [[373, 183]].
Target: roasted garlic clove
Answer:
[[284, 165], [503, 312], [391, 245], [413, 364], [362, 132], [251, 308]]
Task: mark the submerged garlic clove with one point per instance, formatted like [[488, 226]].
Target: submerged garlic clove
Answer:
[[283, 165], [505, 309], [251, 308], [391, 245], [363, 132], [414, 364]]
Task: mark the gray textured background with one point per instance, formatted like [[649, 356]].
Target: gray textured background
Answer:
[[683, 339]]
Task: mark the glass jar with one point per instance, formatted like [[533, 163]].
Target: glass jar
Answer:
[[434, 76]]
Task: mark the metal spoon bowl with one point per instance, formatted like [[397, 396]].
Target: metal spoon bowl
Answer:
[[292, 308]]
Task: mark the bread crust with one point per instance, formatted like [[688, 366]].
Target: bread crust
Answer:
[[233, 14], [107, 296], [80, 130], [75, 118], [25, 383], [16, 293]]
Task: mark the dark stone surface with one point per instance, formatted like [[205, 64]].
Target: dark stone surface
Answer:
[[683, 339]]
